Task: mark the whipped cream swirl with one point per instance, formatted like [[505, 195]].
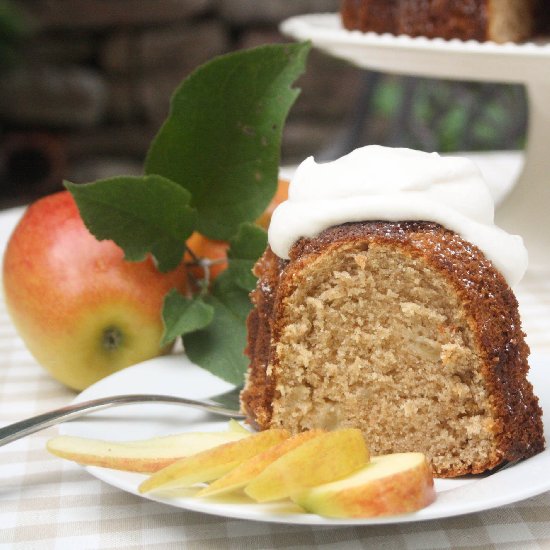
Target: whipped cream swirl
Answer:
[[383, 183]]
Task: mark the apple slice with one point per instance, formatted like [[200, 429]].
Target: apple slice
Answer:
[[325, 458], [243, 474], [235, 426], [144, 456], [390, 484], [213, 463]]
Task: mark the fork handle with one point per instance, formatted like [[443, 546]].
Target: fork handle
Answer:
[[20, 429]]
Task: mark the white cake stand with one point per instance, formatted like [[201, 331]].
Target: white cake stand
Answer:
[[526, 210]]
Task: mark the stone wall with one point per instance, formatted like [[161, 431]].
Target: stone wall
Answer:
[[95, 79]]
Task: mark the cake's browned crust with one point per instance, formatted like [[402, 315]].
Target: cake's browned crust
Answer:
[[488, 301], [446, 19], [462, 19], [377, 15], [259, 392], [349, 12]]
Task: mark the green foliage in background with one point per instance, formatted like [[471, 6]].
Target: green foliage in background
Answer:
[[447, 116], [13, 30]]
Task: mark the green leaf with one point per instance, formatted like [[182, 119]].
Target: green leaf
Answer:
[[222, 138], [235, 298], [148, 214], [219, 348], [241, 274], [183, 315], [249, 243], [245, 249]]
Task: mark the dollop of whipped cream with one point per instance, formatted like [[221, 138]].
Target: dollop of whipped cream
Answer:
[[393, 184]]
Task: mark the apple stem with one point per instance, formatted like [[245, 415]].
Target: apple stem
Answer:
[[206, 264], [112, 338], [193, 255]]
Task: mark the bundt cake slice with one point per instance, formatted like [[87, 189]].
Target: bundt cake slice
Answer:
[[402, 329]]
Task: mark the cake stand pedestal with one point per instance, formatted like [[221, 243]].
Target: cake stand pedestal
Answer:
[[526, 210]]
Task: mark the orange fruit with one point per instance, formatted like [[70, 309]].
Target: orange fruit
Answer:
[[280, 196]]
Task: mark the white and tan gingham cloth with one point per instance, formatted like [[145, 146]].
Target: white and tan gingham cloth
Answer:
[[48, 503]]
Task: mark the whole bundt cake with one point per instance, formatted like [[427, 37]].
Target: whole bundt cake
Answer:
[[496, 20], [404, 329]]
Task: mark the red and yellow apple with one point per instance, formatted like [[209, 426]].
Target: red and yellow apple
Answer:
[[82, 310]]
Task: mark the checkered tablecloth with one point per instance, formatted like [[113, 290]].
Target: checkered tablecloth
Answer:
[[49, 503]]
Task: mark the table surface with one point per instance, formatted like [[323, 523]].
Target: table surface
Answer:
[[50, 503]]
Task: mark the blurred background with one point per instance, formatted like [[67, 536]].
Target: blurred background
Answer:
[[85, 85]]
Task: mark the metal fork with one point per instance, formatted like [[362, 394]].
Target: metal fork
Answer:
[[225, 404]]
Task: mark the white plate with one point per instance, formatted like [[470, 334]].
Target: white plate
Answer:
[[434, 57], [176, 375]]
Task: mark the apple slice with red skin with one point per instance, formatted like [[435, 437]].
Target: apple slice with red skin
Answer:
[[388, 485], [145, 456]]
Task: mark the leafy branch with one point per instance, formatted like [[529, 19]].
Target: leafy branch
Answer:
[[212, 168]]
